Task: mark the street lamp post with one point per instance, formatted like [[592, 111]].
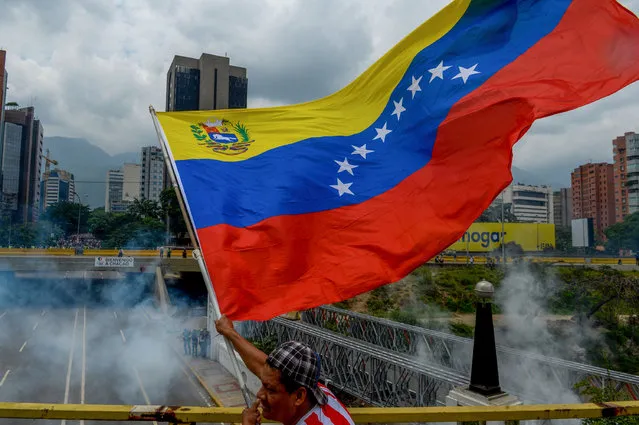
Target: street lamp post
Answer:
[[79, 212]]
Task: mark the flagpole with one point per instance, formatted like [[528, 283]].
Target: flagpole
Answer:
[[197, 253]]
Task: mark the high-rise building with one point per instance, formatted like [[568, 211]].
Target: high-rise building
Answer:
[[11, 167], [57, 186], [562, 206], [151, 173], [619, 172], [530, 204], [114, 189], [593, 195], [626, 174], [131, 186], [30, 163], [3, 99], [210, 82]]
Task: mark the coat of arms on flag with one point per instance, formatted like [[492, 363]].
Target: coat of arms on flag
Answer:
[[222, 136]]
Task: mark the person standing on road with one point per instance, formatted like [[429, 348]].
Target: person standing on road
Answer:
[[291, 393], [203, 333], [186, 338], [195, 336]]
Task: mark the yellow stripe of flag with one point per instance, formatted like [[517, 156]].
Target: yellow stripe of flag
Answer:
[[346, 112]]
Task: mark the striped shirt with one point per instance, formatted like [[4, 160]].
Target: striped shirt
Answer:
[[332, 413]]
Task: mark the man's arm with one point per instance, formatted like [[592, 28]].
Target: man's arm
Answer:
[[252, 356]]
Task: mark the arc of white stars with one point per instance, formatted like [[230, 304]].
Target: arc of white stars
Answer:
[[382, 133], [414, 87], [464, 73], [437, 72], [345, 166], [342, 188], [361, 150], [399, 108]]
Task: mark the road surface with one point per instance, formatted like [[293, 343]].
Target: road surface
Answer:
[[91, 356]]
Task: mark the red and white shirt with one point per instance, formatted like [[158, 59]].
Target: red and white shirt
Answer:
[[332, 413]]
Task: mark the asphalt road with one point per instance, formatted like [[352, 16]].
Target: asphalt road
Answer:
[[91, 356]]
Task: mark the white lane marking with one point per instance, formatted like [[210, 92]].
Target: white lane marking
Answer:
[[67, 387], [4, 378], [23, 345], [115, 314], [2, 315], [43, 313], [123, 338], [144, 394], [84, 359], [35, 326]]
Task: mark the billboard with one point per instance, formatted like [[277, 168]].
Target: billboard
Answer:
[[113, 262], [583, 233], [485, 237]]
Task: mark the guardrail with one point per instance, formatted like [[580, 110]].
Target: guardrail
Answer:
[[193, 414], [88, 252], [455, 352], [479, 258]]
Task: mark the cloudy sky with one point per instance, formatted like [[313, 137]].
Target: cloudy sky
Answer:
[[92, 67]]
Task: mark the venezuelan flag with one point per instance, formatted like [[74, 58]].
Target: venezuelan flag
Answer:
[[314, 203]]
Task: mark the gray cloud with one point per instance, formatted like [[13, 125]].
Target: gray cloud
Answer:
[[92, 67]]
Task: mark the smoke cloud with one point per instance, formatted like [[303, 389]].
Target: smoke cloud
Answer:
[[70, 339]]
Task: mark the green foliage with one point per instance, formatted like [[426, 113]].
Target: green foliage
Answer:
[[492, 214], [171, 210], [65, 216], [146, 208], [462, 329], [267, 344], [563, 239], [404, 316], [624, 235], [452, 288], [379, 302], [602, 395]]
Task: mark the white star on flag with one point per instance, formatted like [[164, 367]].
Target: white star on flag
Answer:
[[361, 151], [438, 71], [345, 166], [414, 87], [464, 73], [399, 108], [382, 133], [342, 188]]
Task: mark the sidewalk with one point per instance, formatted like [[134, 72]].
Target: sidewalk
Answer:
[[220, 385]]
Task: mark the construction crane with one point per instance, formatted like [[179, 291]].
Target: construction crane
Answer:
[[48, 163]]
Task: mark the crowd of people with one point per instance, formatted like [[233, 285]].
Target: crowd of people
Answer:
[[87, 241], [196, 342]]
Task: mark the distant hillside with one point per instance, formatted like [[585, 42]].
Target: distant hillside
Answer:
[[88, 163]]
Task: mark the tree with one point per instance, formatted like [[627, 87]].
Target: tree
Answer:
[[173, 213], [563, 239], [65, 216], [145, 208], [609, 392], [623, 235], [492, 214]]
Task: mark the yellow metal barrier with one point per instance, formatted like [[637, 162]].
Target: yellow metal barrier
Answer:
[[89, 252], [185, 414]]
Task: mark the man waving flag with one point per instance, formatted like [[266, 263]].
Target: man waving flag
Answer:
[[314, 203]]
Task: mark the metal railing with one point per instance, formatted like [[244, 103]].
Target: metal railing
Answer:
[[456, 352], [193, 414]]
